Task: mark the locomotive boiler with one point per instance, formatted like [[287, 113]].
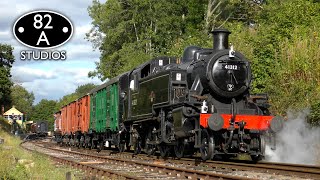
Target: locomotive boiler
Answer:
[[198, 103]]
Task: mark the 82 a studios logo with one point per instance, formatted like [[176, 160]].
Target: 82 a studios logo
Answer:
[[43, 30]]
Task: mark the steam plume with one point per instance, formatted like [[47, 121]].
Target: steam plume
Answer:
[[297, 142]]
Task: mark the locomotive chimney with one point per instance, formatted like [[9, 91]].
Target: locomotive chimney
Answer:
[[220, 39]]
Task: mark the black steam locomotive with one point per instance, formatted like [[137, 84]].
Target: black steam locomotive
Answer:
[[199, 103], [202, 102]]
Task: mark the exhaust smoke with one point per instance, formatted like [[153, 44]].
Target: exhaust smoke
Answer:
[[297, 142]]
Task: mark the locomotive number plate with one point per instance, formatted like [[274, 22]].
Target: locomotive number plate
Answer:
[[230, 67]]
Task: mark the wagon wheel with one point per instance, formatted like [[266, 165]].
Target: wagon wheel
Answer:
[[78, 144], [99, 146], [207, 145], [164, 150], [179, 148], [92, 144], [86, 144]]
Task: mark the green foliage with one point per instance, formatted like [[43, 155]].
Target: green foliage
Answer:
[[44, 110], [5, 125], [298, 71], [22, 99], [17, 163], [6, 60], [84, 89], [314, 117], [79, 92], [280, 38], [66, 100], [136, 31]]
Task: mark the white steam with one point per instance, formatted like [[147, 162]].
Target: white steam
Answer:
[[297, 142]]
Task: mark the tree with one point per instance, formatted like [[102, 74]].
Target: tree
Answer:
[[84, 89], [22, 99], [65, 100], [6, 60], [44, 110], [130, 32], [279, 38]]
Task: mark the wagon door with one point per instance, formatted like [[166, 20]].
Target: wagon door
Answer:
[[114, 101], [93, 112]]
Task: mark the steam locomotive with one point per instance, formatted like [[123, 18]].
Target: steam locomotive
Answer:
[[199, 103]]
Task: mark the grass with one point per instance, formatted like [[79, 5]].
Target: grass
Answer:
[[17, 163], [318, 155]]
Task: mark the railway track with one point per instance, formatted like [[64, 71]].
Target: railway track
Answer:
[[144, 167], [296, 170]]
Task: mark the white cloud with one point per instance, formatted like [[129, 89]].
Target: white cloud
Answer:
[[26, 74], [56, 82], [51, 79]]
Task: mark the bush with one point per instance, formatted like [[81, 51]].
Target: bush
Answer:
[[314, 117]]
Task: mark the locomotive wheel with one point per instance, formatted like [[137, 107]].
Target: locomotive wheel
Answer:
[[207, 145], [150, 148], [164, 150], [179, 148], [121, 147], [262, 149], [263, 144], [137, 147]]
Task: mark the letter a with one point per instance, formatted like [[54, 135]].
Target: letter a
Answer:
[[43, 37]]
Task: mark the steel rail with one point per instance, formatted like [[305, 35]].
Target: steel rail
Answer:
[[169, 170]]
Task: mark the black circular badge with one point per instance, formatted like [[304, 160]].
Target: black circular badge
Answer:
[[43, 29]]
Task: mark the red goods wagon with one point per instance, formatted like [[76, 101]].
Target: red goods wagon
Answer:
[[73, 118], [69, 119], [64, 119], [83, 113]]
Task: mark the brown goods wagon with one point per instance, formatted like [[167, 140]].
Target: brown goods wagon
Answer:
[[69, 118], [83, 112], [64, 119], [73, 118]]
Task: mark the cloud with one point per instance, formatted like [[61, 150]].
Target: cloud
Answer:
[[53, 82], [51, 79], [25, 74]]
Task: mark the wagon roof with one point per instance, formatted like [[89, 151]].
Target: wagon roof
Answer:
[[111, 81]]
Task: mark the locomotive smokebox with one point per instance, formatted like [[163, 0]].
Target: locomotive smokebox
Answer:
[[220, 39]]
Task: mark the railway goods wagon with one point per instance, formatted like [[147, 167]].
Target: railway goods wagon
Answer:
[[73, 116], [67, 121], [57, 126], [64, 120], [83, 119], [106, 109], [57, 121], [40, 127], [83, 113]]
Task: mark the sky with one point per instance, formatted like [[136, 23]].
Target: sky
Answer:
[[51, 79]]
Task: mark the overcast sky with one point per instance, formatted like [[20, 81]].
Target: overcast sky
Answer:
[[51, 79]]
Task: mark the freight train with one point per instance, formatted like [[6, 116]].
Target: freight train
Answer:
[[198, 103]]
